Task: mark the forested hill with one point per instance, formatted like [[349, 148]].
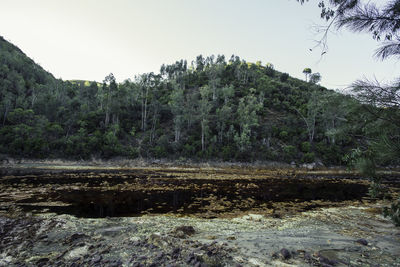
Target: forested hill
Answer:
[[211, 108]]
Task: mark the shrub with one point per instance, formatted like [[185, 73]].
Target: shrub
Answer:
[[393, 212], [308, 157], [284, 77], [159, 152], [289, 152], [305, 147], [283, 135], [227, 153]]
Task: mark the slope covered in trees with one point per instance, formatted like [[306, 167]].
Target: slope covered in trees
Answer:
[[211, 108]]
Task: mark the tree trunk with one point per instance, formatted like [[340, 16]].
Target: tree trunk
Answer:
[[202, 137]]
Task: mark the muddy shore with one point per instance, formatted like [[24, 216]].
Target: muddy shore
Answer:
[[54, 215]]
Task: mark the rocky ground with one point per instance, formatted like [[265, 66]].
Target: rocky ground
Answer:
[[345, 236], [323, 231]]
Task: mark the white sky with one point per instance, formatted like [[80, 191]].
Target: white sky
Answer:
[[88, 39]]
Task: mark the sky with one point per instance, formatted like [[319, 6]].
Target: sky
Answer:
[[88, 39]]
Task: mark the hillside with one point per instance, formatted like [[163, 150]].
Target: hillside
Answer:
[[212, 108]]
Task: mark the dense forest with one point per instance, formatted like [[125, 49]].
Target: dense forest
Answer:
[[210, 108]]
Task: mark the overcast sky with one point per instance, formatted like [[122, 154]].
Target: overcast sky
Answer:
[[87, 39]]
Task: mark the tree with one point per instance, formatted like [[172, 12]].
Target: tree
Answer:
[[382, 21], [146, 83], [109, 88], [176, 104], [310, 115], [381, 101], [204, 113], [315, 78], [247, 119], [307, 72]]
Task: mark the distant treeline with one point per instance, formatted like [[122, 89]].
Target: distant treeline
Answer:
[[212, 108]]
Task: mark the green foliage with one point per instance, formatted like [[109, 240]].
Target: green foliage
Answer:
[[233, 110], [380, 117], [393, 212], [366, 166], [315, 78], [160, 152], [283, 135], [284, 77], [305, 147], [308, 157], [228, 153], [363, 161], [289, 152]]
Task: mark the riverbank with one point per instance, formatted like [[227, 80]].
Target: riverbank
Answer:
[[58, 214]]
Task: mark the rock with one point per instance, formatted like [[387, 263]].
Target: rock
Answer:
[[75, 237], [151, 246], [96, 259], [116, 263], [175, 253], [319, 163], [42, 262], [362, 241], [190, 258], [307, 257], [284, 253], [309, 166], [183, 231], [176, 250], [142, 258], [112, 231], [76, 253], [327, 262]]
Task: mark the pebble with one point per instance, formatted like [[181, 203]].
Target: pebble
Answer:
[[362, 241], [190, 258], [159, 255], [285, 254], [96, 259], [327, 262], [187, 230]]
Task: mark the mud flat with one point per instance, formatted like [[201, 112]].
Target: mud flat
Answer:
[[176, 216]]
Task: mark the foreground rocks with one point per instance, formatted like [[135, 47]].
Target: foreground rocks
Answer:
[[345, 236], [193, 217]]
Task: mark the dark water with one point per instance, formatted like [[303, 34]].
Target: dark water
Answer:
[[132, 193]]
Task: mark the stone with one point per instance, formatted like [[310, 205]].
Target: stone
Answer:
[[74, 237], [307, 257], [96, 259], [116, 263], [284, 253], [42, 262], [327, 262], [190, 258], [309, 166], [159, 255], [362, 241], [183, 231]]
